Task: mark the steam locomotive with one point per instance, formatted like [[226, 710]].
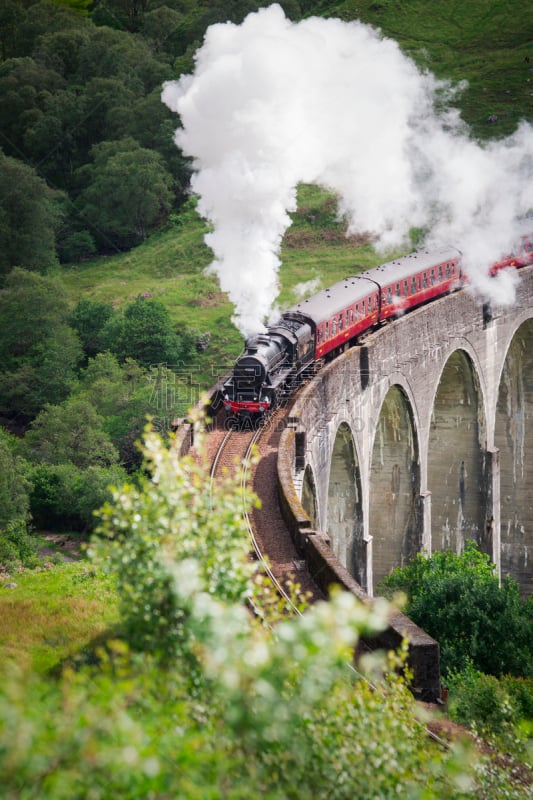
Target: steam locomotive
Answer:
[[274, 363]]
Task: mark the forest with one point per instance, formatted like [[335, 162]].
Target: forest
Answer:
[[134, 670]]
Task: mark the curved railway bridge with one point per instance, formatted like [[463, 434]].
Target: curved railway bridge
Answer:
[[415, 440]]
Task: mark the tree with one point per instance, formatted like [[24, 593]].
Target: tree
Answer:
[[29, 217], [122, 394], [128, 192], [14, 485], [88, 320], [25, 86], [39, 352], [32, 306], [457, 599], [144, 333], [65, 497], [11, 17], [70, 433]]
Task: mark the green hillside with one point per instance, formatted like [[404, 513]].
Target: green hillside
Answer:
[[483, 43]]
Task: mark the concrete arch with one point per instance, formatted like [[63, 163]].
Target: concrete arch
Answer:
[[456, 463], [513, 436], [345, 507], [461, 345], [394, 505]]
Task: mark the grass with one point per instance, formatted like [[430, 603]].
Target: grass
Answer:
[[483, 42], [53, 614]]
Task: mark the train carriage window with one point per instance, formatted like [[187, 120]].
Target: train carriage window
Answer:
[[406, 288], [413, 286], [352, 316], [397, 290], [327, 330], [448, 270], [432, 277], [425, 280], [389, 294], [334, 327], [440, 273], [341, 319], [357, 310]]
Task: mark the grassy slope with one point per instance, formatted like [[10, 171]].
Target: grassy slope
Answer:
[[52, 614], [484, 41]]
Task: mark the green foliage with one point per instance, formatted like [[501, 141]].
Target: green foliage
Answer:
[[144, 332], [458, 601], [70, 433], [171, 524], [64, 497], [38, 350], [88, 320], [14, 485], [129, 192], [17, 546], [494, 709], [75, 245], [29, 217], [122, 395]]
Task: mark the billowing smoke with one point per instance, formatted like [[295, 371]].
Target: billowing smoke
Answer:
[[273, 103]]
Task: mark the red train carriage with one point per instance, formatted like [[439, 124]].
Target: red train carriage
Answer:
[[327, 323], [521, 256], [343, 311]]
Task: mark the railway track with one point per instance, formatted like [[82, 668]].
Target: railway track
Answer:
[[270, 540]]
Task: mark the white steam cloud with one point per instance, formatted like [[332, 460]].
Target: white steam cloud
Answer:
[[273, 103]]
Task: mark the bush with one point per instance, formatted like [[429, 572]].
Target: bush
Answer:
[[76, 245], [144, 333], [493, 709], [17, 546], [88, 320], [457, 600], [64, 497]]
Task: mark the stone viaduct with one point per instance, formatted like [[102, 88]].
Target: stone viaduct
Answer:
[[421, 438]]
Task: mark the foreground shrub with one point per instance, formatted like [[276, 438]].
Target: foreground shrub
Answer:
[[212, 703]]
